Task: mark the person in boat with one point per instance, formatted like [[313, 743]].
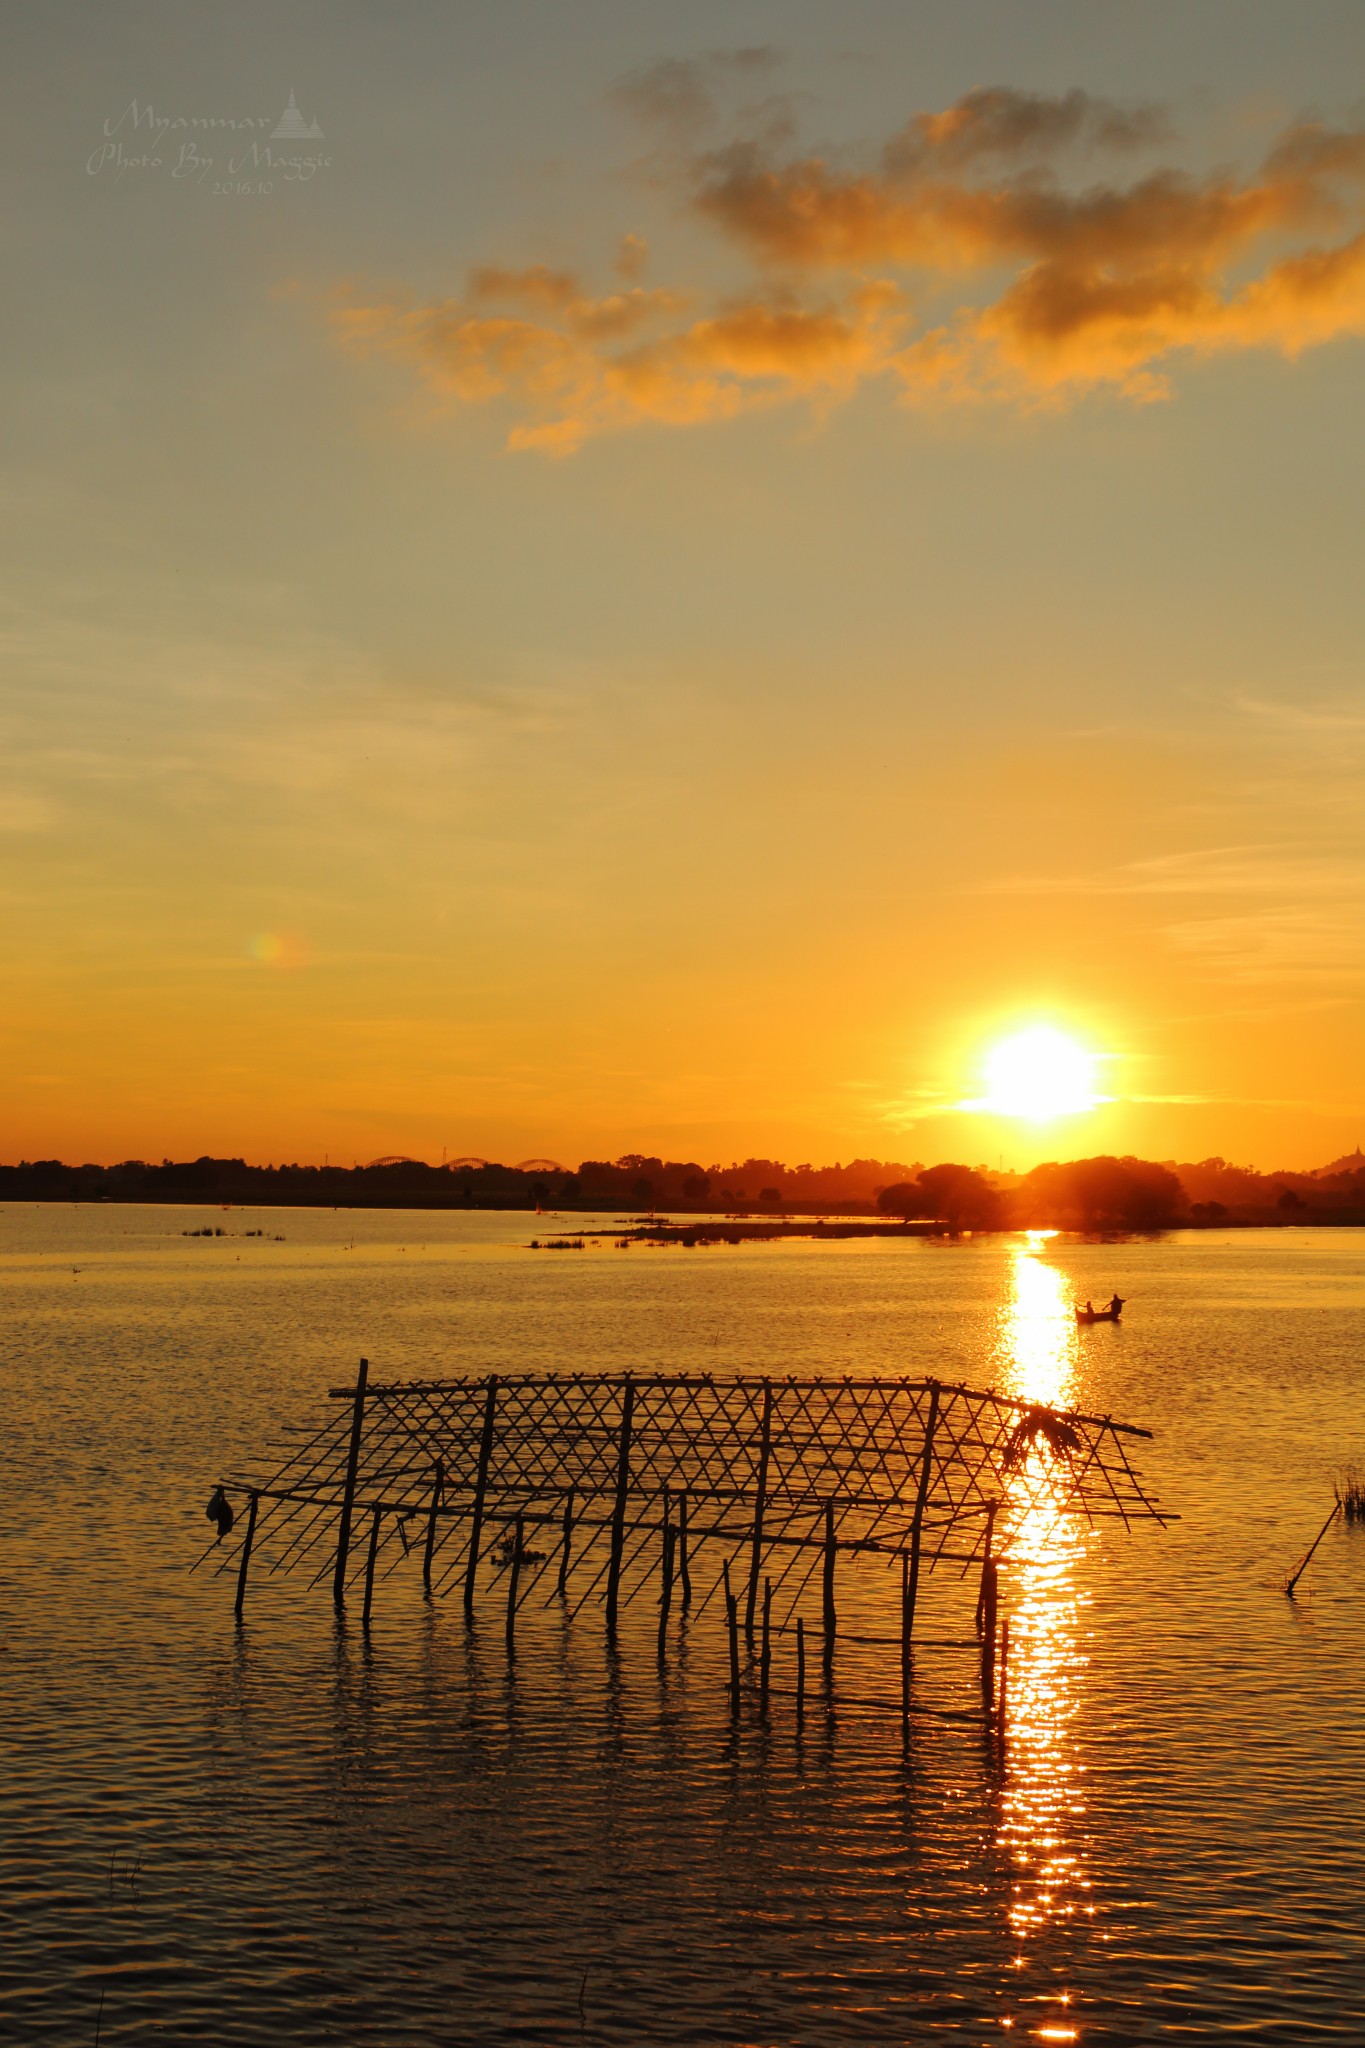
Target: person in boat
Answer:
[[219, 1512], [1116, 1306], [1090, 1308]]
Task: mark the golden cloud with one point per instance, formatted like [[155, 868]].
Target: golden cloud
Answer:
[[571, 384], [1027, 287]]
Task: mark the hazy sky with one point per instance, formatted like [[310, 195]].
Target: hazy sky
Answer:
[[671, 573]]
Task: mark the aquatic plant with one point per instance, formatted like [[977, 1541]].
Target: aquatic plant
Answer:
[[1349, 1487]]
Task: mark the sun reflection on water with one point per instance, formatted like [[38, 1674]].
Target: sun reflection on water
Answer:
[[1042, 1801]]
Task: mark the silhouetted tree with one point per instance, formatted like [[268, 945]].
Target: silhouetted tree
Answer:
[[903, 1198], [960, 1197], [1103, 1193]]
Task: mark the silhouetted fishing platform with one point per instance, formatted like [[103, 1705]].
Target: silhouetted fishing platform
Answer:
[[597, 1492]]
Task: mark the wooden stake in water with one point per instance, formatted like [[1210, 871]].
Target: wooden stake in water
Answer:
[[666, 1588], [514, 1578], [905, 1636], [480, 1492], [568, 1542], [618, 1513], [369, 1567], [348, 1491], [684, 1574], [921, 1502], [765, 1650], [438, 1482], [1290, 1583], [800, 1666], [253, 1500], [990, 1600], [829, 1582], [765, 1438], [1004, 1674], [732, 1623], [985, 1566]]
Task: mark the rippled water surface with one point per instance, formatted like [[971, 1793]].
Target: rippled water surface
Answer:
[[296, 1832]]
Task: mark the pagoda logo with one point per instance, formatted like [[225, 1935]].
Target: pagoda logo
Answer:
[[292, 126]]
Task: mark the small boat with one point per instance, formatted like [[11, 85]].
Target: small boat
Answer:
[[1110, 1314]]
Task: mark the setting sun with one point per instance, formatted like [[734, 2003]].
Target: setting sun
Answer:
[[1040, 1074]]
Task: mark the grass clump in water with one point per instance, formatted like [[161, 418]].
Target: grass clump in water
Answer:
[[1350, 1491]]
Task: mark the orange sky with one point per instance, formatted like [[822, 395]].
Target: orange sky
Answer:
[[675, 588]]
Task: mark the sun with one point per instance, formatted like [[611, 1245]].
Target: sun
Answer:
[[1039, 1074]]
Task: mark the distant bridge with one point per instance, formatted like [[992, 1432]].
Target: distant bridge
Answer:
[[469, 1165]]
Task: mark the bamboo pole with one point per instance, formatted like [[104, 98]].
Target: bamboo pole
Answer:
[[376, 1519], [438, 1481], [480, 1491], [760, 1504], [513, 1579], [905, 1635], [666, 1589], [800, 1666], [348, 1495], [618, 1519], [253, 1501], [765, 1657], [732, 1624], [986, 1564], [1290, 1583], [917, 1524], [990, 1601], [684, 1574], [1004, 1673], [568, 1540], [830, 1618]]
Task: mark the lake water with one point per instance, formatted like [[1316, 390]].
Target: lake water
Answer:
[[294, 1832]]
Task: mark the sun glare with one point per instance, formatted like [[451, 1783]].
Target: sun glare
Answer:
[[1040, 1074]]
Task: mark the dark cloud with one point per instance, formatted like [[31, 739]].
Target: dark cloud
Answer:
[[996, 122]]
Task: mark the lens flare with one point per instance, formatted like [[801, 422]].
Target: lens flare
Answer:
[[277, 949]]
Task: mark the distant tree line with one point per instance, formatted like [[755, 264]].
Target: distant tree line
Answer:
[[1103, 1193], [1080, 1194]]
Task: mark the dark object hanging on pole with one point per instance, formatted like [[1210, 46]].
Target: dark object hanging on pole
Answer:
[[219, 1512]]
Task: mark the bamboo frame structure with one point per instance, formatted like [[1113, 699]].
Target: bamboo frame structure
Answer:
[[630, 1480]]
